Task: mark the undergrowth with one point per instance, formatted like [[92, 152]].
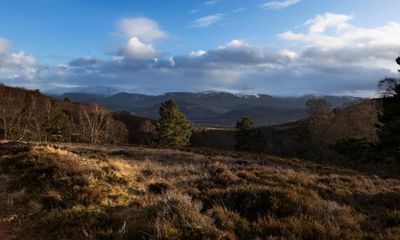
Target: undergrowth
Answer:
[[79, 192]]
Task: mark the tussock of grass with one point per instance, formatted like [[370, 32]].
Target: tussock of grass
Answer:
[[80, 192]]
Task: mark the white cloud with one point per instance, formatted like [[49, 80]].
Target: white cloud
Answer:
[[198, 53], [146, 29], [280, 4], [291, 36], [237, 43], [208, 20], [18, 65], [348, 44], [139, 50], [141, 32], [20, 59], [320, 23], [288, 53]]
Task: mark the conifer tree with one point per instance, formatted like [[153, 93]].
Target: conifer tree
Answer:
[[248, 137], [389, 119], [173, 129]]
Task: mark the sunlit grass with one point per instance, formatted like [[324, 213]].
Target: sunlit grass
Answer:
[[83, 192]]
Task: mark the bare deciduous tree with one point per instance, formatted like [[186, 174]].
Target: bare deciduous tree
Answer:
[[115, 131], [317, 106], [93, 118], [14, 114]]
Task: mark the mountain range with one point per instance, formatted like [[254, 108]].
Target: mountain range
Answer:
[[212, 108]]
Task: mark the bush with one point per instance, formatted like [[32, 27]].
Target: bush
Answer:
[[178, 217], [230, 221], [173, 216]]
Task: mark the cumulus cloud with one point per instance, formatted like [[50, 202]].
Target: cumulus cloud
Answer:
[[320, 23], [208, 20], [145, 29], [141, 33], [16, 65], [137, 49], [236, 43], [198, 53], [280, 4], [347, 44]]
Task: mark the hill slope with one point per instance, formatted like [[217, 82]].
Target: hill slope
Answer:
[[99, 192]]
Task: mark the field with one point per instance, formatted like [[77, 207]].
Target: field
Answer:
[[66, 191]]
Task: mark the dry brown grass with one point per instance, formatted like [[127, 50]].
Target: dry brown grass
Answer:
[[86, 192]]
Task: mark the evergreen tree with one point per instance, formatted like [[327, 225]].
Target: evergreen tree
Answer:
[[389, 119], [173, 129], [248, 137]]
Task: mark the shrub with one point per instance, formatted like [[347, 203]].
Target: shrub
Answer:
[[222, 175], [179, 217], [253, 202], [231, 222]]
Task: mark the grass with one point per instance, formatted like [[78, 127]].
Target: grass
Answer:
[[101, 192]]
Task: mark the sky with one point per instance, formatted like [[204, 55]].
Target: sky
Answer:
[[277, 47]]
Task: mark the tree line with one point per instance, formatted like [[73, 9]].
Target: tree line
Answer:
[[30, 116]]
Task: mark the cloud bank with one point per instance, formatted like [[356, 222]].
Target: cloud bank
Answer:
[[331, 56]]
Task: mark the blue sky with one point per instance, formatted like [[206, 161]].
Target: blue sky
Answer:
[[282, 47]]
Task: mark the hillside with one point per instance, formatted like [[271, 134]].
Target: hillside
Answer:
[[101, 192], [213, 108], [300, 137], [37, 117]]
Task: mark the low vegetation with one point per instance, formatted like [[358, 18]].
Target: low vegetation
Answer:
[[66, 191]]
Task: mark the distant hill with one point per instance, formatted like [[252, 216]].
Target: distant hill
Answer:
[[214, 108]]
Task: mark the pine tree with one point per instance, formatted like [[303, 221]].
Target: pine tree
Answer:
[[389, 119], [248, 137], [173, 129]]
